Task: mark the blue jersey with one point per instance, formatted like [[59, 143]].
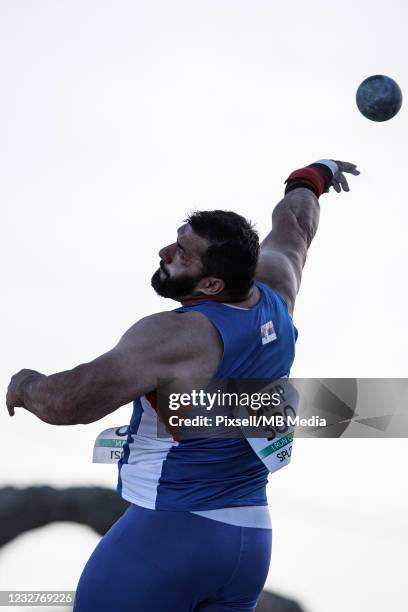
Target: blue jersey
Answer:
[[211, 473]]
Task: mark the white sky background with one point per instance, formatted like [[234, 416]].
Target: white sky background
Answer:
[[119, 117]]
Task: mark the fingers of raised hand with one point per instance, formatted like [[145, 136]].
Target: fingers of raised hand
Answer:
[[343, 181], [347, 167], [335, 183]]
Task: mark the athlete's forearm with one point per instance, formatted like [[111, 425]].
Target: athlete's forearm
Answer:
[[69, 398], [294, 225], [47, 397], [296, 215], [296, 218], [283, 253]]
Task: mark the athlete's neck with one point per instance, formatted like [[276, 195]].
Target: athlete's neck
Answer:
[[251, 299]]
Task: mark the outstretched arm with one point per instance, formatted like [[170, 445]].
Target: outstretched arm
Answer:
[[294, 224], [164, 345]]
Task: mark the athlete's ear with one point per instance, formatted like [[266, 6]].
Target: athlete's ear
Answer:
[[210, 285]]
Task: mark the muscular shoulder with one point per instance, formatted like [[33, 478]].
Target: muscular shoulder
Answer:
[[186, 344]]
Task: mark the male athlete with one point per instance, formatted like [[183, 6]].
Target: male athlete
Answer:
[[196, 536]]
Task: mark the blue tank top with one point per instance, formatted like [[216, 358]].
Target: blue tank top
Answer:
[[211, 473]]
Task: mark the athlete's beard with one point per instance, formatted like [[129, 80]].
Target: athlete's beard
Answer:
[[174, 288]]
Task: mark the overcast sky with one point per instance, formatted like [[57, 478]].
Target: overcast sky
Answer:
[[117, 118]]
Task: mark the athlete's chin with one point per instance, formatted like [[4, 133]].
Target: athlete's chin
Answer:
[[177, 288], [162, 284], [157, 281]]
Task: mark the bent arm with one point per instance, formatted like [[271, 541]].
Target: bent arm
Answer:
[[283, 252]]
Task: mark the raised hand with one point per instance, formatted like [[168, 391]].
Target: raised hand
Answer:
[[339, 181]]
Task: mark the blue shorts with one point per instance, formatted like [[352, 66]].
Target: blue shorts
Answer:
[[160, 561]]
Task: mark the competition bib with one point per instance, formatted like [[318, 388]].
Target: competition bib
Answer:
[[274, 454], [109, 445], [274, 432]]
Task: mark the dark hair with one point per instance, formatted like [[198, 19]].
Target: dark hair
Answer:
[[232, 254]]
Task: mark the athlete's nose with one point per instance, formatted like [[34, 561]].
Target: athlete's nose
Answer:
[[167, 253]]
